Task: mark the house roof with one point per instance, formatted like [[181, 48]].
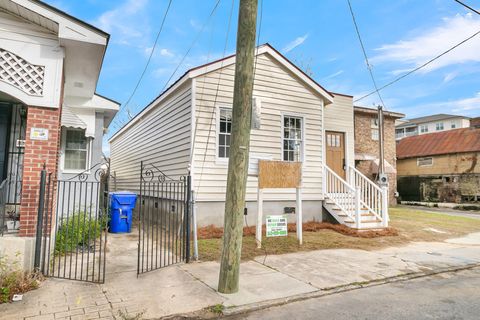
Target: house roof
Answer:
[[55, 20], [224, 62], [431, 118], [445, 142], [396, 115]]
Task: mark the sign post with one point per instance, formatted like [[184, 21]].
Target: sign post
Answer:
[[275, 175]]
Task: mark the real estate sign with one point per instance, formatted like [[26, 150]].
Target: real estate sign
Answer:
[[277, 226]]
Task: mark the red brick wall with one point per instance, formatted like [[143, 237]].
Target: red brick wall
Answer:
[[364, 144], [38, 152]]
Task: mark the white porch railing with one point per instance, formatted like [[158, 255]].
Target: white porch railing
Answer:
[[344, 196], [372, 197]]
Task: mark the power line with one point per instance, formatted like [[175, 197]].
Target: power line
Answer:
[[186, 54], [218, 85], [150, 56], [467, 6], [215, 99], [419, 67], [192, 45], [369, 67]]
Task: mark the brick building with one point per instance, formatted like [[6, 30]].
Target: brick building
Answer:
[[50, 114], [367, 147]]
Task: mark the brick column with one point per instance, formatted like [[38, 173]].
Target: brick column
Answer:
[[38, 152]]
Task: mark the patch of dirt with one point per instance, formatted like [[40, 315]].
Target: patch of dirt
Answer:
[[212, 232]]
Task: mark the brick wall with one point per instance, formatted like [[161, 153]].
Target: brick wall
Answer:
[[364, 144], [38, 152]]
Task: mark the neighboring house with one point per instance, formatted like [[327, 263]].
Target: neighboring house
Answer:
[[440, 166], [475, 122], [186, 130], [50, 113], [367, 145], [430, 124]]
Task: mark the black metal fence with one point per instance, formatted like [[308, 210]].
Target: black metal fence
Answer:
[[3, 213], [164, 219], [72, 226]]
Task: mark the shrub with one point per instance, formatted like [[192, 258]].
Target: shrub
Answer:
[[79, 230], [15, 281]]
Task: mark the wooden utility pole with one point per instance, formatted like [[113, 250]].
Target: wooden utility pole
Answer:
[[239, 148]]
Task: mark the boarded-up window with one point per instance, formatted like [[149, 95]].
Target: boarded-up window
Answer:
[[225, 130], [424, 162]]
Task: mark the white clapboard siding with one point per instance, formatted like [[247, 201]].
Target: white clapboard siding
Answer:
[[281, 93], [338, 117], [161, 137]]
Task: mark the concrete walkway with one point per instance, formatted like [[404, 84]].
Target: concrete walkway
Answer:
[[187, 288]]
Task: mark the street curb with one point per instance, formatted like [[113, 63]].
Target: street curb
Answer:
[[343, 288]]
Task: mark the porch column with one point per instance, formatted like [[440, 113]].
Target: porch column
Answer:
[[39, 149]]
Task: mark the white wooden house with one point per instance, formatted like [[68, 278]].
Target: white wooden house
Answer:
[[187, 130]]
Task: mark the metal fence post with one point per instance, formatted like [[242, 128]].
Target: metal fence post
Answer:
[[41, 207], [187, 219]]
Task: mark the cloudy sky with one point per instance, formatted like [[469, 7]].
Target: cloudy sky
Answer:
[[316, 35]]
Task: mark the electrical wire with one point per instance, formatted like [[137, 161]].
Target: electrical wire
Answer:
[[369, 67], [150, 56], [419, 67], [192, 45], [467, 6], [215, 100]]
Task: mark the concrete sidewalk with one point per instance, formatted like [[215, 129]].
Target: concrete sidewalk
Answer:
[[187, 288]]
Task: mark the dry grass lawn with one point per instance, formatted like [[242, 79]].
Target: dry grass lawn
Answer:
[[410, 224]]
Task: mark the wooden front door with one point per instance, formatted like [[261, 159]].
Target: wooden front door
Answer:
[[335, 142]]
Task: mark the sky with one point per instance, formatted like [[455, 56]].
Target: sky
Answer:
[[319, 36]]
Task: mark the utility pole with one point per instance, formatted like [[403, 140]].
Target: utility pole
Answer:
[[239, 148]]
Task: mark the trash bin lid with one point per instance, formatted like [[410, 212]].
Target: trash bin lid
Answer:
[[124, 197]]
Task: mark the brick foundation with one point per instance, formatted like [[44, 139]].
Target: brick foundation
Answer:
[[38, 152]]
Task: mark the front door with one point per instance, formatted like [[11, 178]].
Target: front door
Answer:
[[336, 152]]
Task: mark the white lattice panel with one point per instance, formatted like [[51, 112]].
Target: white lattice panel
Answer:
[[20, 73]]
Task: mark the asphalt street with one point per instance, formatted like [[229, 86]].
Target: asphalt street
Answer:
[[454, 295]]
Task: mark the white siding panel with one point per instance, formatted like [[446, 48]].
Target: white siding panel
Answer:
[[162, 137], [338, 117], [280, 93]]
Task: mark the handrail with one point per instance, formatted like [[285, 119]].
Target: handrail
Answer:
[[371, 195], [341, 193]]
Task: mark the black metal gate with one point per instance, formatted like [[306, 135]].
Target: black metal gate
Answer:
[[163, 219], [72, 225]]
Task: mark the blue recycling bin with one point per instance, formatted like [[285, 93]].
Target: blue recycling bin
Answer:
[[121, 208]]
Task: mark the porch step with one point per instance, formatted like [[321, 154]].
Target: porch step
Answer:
[[368, 220]]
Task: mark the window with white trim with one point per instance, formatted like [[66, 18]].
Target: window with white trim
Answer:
[[425, 162], [76, 150], [374, 126], [423, 128], [453, 125], [439, 126], [292, 138], [224, 132]]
